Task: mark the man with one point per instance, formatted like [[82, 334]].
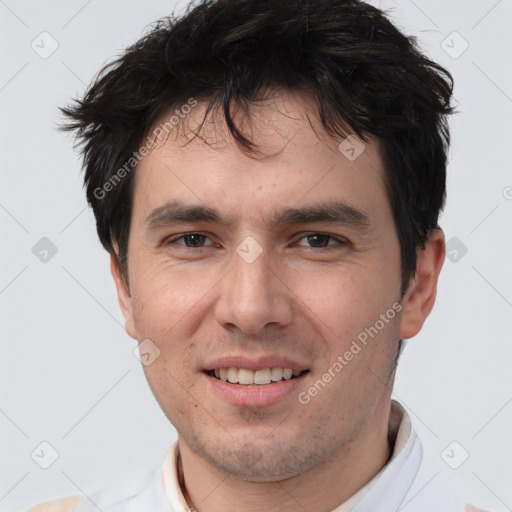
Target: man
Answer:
[[267, 177]]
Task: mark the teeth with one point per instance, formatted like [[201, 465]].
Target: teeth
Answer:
[[262, 376], [287, 373], [259, 377], [233, 375], [277, 374], [245, 377]]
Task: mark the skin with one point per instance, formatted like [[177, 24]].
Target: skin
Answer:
[[300, 298]]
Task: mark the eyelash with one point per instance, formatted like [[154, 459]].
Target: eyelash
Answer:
[[339, 241], [328, 247]]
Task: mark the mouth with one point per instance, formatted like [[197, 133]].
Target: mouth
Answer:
[[255, 378]]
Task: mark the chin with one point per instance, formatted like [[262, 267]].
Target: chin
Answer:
[[259, 461]]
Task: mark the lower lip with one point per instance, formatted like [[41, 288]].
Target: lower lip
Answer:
[[253, 396]]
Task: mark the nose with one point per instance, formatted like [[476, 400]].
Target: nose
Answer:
[[253, 296]]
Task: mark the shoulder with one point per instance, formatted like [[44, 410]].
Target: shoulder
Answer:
[[61, 505]]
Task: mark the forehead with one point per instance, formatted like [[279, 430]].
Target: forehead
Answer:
[[294, 160]]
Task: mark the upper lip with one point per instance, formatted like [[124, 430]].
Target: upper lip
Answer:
[[255, 363]]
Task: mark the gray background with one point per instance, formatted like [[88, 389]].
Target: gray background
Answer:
[[68, 373]]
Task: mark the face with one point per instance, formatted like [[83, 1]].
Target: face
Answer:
[[257, 270]]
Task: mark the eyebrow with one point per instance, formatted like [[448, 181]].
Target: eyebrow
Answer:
[[177, 212], [331, 212]]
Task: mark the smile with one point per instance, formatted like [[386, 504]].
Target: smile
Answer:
[[263, 377]]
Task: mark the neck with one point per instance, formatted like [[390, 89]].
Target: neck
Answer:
[[323, 488]]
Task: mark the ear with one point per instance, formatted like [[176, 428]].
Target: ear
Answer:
[[419, 299], [123, 295]]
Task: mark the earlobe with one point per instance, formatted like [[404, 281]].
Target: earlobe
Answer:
[[419, 299], [123, 295]]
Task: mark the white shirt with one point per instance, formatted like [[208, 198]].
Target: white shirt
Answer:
[[410, 482]]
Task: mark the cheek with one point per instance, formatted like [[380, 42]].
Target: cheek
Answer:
[[346, 298], [166, 312], [167, 297], [169, 306]]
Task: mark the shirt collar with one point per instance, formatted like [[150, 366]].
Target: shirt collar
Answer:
[[388, 488]]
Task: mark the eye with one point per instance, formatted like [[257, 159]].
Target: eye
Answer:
[[190, 240], [321, 240]]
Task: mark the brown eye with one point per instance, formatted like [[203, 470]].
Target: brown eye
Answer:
[[320, 240], [190, 241], [194, 240]]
